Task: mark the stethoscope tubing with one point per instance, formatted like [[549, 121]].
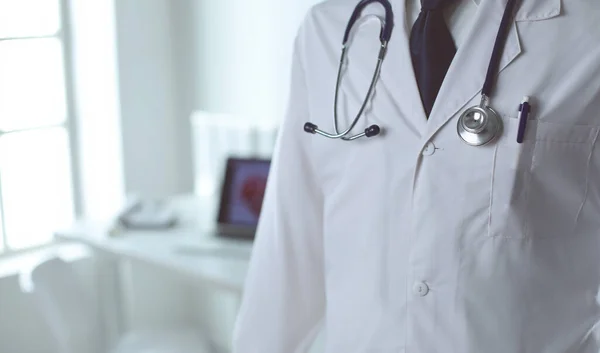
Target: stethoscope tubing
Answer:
[[365, 101], [387, 26]]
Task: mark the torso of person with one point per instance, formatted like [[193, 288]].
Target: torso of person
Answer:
[[432, 245]]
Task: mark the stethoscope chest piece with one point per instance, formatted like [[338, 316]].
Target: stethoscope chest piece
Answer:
[[478, 126]]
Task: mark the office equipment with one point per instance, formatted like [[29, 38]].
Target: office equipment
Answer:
[[242, 193], [147, 214]]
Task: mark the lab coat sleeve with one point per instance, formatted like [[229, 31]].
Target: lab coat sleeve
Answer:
[[284, 295]]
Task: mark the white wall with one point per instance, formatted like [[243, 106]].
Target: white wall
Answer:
[[175, 57], [242, 52], [153, 150]]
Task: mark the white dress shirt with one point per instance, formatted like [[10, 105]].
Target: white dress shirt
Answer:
[[413, 241]]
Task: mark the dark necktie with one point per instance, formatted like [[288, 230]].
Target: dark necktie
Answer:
[[432, 50]]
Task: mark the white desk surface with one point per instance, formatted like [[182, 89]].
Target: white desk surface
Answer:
[[186, 251]]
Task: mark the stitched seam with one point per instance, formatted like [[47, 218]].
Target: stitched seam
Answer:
[[490, 213], [411, 235], [527, 187], [587, 178], [540, 17]]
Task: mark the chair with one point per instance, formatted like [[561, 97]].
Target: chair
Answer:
[[75, 323]]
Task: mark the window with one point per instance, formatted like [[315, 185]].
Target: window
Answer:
[[36, 141]]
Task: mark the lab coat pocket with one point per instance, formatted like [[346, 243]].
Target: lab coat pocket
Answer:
[[539, 187]]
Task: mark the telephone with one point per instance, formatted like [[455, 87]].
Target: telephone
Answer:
[[147, 214]]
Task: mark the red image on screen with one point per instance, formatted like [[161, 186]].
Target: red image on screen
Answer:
[[252, 192], [243, 191]]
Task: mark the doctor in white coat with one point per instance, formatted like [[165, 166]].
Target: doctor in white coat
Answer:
[[413, 240]]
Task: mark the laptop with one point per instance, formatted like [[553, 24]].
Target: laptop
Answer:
[[239, 207], [242, 193]]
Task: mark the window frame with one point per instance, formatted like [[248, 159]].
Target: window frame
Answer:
[[64, 35]]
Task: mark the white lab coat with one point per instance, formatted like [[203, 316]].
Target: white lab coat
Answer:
[[414, 241]]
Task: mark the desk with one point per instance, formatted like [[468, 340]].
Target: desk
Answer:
[[184, 251]]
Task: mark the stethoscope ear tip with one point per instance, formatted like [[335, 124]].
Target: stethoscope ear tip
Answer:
[[372, 131], [310, 128]]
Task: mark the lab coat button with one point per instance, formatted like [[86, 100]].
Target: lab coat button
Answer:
[[429, 149], [421, 289]]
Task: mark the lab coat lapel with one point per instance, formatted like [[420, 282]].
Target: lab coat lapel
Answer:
[[467, 73]]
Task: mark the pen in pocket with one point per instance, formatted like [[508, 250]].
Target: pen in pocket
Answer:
[[524, 109]]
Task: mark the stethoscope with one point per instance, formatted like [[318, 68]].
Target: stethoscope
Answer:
[[477, 126]]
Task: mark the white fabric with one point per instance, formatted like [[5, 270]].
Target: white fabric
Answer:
[[413, 241]]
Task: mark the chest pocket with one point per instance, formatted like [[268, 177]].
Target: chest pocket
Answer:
[[539, 187]]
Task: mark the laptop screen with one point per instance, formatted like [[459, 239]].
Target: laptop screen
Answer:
[[243, 191]]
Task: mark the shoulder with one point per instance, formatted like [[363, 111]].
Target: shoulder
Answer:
[[325, 22], [575, 22], [328, 12], [333, 5]]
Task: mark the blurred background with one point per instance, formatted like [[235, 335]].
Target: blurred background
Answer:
[[117, 122]]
